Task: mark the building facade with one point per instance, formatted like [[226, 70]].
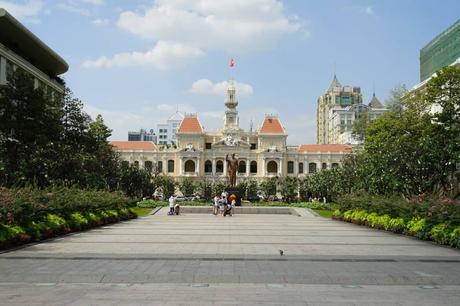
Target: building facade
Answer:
[[167, 131], [201, 155], [142, 135], [440, 52], [19, 48], [341, 120], [335, 98]]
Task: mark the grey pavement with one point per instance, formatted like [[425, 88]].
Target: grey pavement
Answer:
[[201, 259]]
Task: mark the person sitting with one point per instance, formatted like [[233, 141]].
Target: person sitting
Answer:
[[177, 209], [222, 204], [228, 209]]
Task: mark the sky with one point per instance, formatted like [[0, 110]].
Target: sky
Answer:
[[137, 61]]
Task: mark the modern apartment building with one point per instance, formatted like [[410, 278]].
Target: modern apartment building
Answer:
[[167, 131], [440, 52], [142, 135], [20, 48]]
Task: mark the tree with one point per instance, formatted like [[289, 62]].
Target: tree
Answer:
[[205, 188], [252, 188], [394, 101], [167, 185], [242, 187], [289, 188], [360, 125], [187, 186], [268, 187], [30, 119], [136, 182]]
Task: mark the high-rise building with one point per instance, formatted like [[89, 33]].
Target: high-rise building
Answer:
[[336, 97], [142, 135], [167, 131], [21, 49], [337, 111], [342, 119], [440, 52]]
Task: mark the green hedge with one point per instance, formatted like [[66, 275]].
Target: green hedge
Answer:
[[54, 225], [24, 205], [441, 233], [28, 214]]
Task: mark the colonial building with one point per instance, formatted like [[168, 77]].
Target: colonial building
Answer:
[[200, 154], [338, 109], [19, 48]]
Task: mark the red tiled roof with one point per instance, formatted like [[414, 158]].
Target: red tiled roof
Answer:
[[271, 126], [133, 145], [324, 148], [190, 125]]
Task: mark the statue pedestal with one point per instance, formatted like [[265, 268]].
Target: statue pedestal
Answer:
[[234, 192]]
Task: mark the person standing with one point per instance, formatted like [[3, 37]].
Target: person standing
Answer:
[[172, 202]]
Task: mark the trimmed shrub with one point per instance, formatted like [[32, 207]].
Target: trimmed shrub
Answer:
[[77, 221]]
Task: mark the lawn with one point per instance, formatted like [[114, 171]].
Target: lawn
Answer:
[[324, 213], [142, 212]]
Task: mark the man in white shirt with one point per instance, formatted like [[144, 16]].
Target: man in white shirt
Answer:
[[172, 202]]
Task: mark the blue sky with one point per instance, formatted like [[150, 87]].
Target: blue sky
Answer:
[[135, 61]]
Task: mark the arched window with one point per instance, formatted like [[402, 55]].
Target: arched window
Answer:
[[148, 165], [220, 166], [335, 165], [272, 167], [170, 166], [136, 163], [253, 167], [242, 167], [312, 168], [323, 166], [208, 166], [189, 166], [300, 168]]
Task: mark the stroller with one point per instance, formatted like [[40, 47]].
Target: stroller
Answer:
[[228, 210]]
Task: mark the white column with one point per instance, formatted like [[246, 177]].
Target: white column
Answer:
[[225, 167], [181, 171], [263, 167], [198, 167], [248, 167], [280, 170], [213, 166]]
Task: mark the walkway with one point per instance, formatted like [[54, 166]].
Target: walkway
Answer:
[[199, 259]]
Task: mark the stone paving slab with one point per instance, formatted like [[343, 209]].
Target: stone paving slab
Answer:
[[224, 294], [211, 260]]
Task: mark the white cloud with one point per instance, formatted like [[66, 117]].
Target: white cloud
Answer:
[[165, 55], [74, 7], [230, 25], [369, 11], [207, 87], [101, 22], [28, 9], [94, 2]]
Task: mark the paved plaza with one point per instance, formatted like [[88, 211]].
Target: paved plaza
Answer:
[[201, 259]]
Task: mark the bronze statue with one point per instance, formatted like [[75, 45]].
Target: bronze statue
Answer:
[[232, 165]]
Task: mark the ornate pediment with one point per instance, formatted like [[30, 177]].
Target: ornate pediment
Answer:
[[231, 141]]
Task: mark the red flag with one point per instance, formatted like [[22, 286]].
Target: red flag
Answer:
[[232, 62]]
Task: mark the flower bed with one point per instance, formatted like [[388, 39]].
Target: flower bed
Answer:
[[32, 215], [441, 233]]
